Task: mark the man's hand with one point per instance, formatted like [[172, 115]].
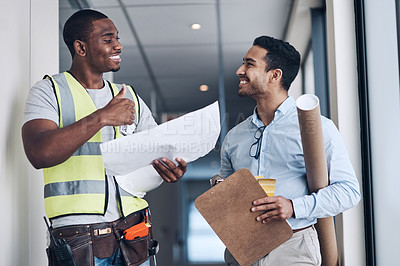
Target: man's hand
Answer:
[[168, 170], [119, 111], [273, 208]]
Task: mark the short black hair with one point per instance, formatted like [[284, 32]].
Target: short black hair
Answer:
[[79, 26], [282, 55]]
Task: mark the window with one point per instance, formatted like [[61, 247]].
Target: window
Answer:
[[203, 244]]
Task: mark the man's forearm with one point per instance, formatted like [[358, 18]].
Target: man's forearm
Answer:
[[52, 145]]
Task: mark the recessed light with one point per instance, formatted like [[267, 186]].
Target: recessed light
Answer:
[[195, 26], [203, 87]]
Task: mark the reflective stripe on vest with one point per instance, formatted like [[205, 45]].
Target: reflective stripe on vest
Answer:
[[78, 185]]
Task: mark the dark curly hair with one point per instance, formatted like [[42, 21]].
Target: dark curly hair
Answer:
[[282, 55], [79, 26]]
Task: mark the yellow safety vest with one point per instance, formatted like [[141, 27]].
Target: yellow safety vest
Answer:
[[79, 185]]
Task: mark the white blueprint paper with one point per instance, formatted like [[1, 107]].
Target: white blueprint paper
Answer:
[[140, 181], [189, 137]]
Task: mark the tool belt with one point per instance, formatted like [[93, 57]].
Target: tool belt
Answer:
[[104, 239]]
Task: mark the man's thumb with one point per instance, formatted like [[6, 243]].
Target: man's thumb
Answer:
[[122, 92]]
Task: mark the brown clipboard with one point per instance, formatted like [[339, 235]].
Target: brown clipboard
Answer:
[[226, 208]]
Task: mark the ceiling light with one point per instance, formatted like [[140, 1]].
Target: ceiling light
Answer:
[[203, 87], [195, 26]]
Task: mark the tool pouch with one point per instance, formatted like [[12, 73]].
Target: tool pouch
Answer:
[[80, 245], [134, 250], [136, 242]]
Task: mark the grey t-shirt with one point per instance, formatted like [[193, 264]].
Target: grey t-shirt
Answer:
[[42, 104]]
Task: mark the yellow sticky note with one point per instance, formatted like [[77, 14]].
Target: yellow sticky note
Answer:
[[268, 184]]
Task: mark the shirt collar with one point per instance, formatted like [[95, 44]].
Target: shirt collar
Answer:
[[282, 110], [288, 104]]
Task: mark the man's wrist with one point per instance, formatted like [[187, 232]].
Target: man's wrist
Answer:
[[98, 117]]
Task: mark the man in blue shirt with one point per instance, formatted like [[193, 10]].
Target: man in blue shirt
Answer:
[[269, 144]]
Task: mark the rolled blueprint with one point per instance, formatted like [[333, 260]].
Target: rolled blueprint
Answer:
[[317, 171]]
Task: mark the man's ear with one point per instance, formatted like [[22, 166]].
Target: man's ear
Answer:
[[276, 75], [80, 47]]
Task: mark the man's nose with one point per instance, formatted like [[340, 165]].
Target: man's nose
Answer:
[[240, 70], [118, 45]]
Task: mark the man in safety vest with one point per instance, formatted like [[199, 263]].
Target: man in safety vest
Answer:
[[67, 117]]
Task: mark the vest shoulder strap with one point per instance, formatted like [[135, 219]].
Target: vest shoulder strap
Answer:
[[57, 94]]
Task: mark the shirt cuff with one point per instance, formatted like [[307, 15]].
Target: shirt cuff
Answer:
[[299, 208]]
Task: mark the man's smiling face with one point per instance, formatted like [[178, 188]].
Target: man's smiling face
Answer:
[[104, 48], [252, 75]]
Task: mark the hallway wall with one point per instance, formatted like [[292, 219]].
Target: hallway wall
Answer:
[[27, 56]]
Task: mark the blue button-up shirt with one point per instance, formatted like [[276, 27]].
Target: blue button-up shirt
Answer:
[[281, 158]]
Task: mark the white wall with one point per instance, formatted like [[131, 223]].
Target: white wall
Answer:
[[25, 58], [44, 60], [13, 168]]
